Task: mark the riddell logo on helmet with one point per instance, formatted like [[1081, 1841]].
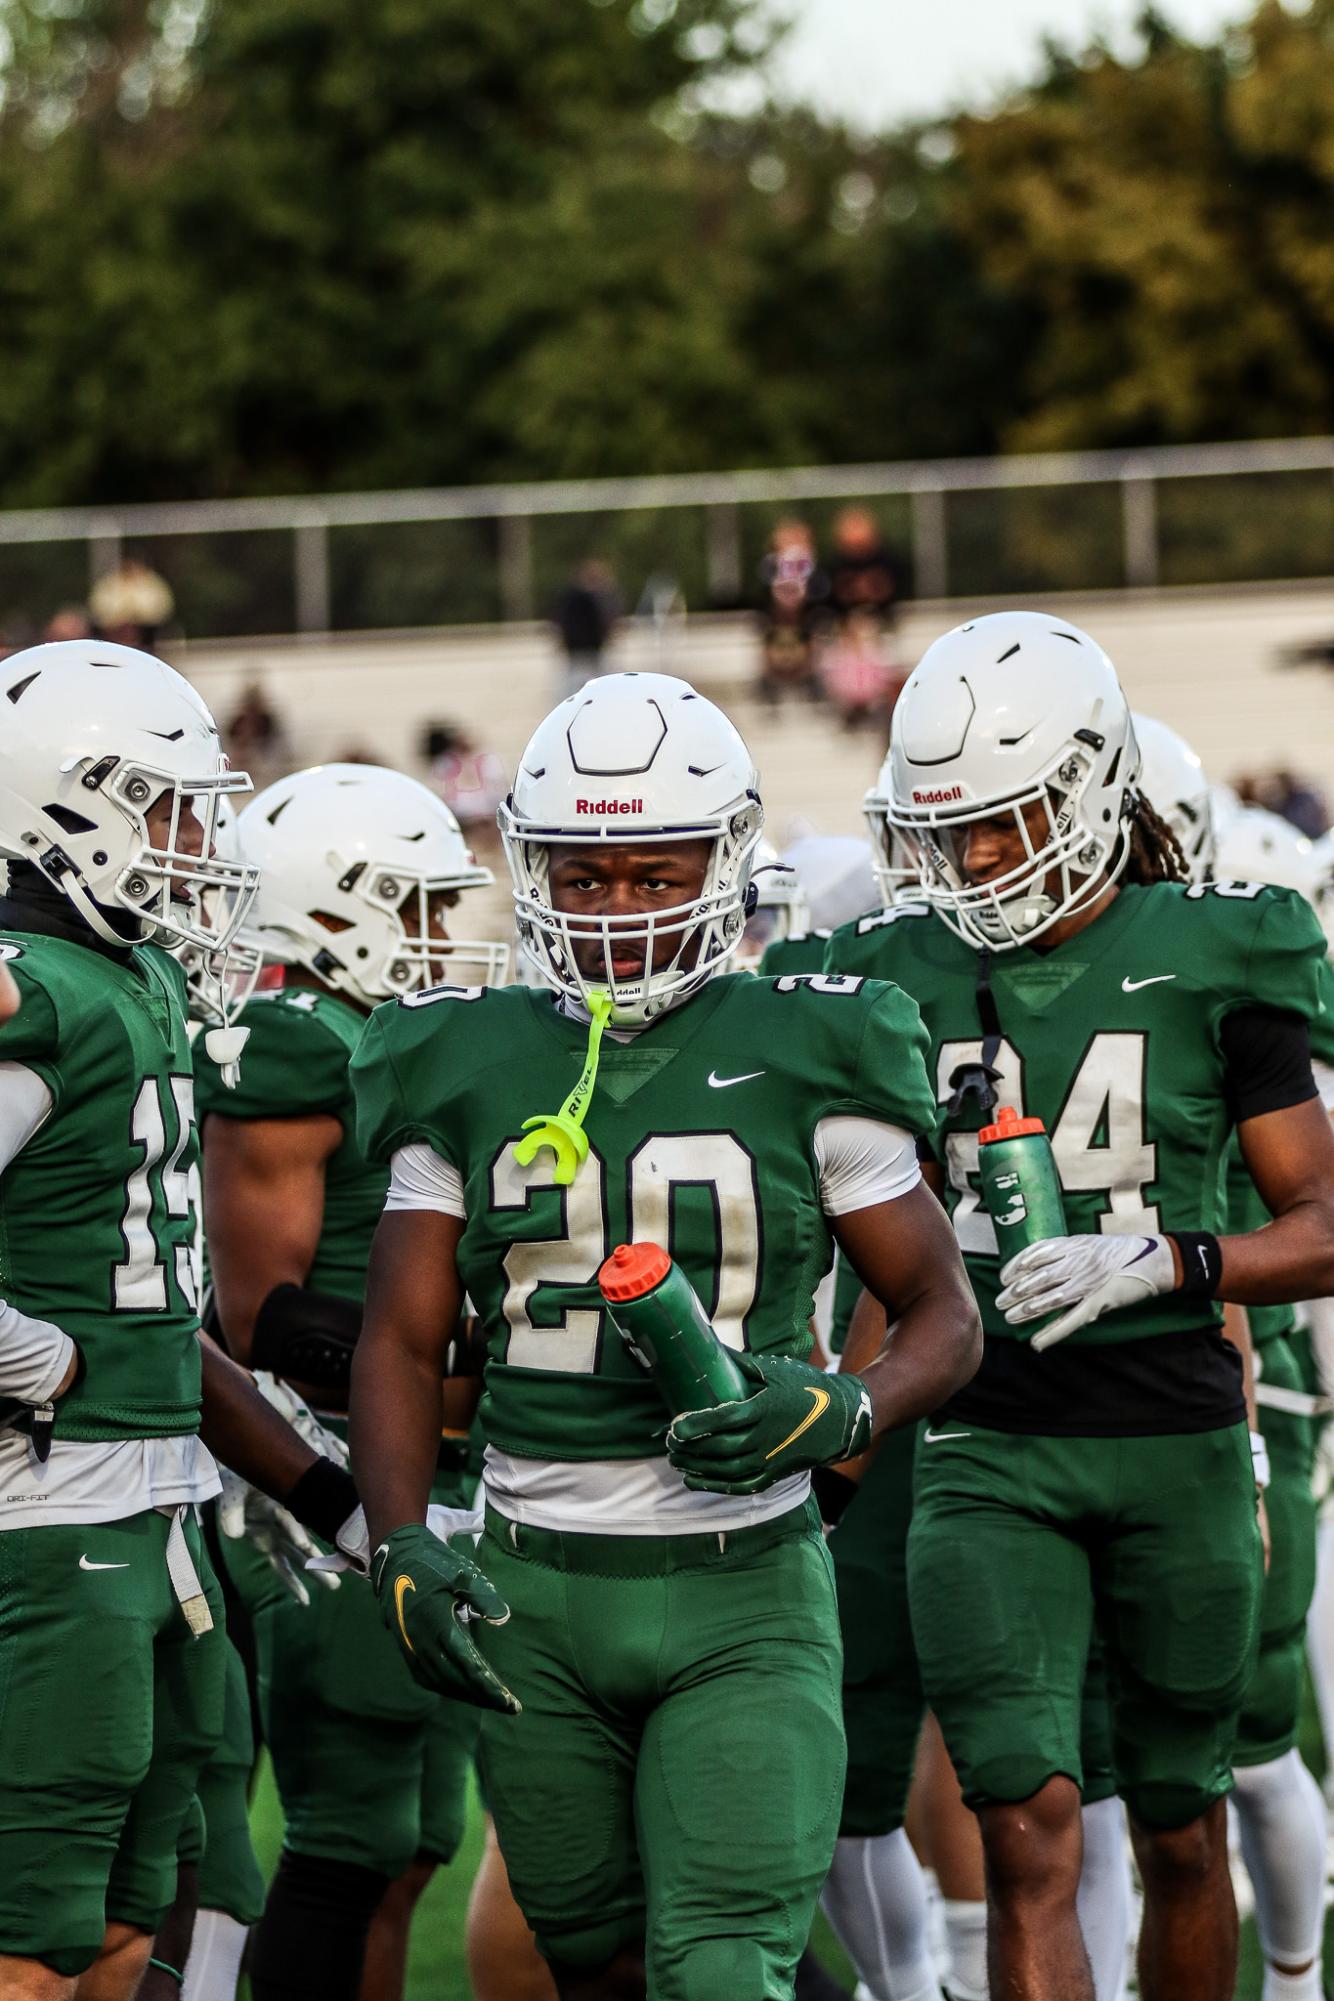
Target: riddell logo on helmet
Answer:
[[937, 795], [601, 806]]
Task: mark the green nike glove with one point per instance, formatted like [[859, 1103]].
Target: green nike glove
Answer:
[[428, 1591], [798, 1417]]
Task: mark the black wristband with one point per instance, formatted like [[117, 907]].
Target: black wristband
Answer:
[[323, 1498], [1201, 1262], [833, 1492]]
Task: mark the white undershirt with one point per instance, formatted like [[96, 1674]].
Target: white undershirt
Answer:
[[80, 1481], [860, 1162]]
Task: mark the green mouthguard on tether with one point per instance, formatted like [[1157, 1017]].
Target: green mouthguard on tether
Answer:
[[563, 1131]]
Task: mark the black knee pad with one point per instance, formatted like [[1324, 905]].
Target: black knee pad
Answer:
[[311, 1940]]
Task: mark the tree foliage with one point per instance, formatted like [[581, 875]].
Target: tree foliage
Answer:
[[292, 245]]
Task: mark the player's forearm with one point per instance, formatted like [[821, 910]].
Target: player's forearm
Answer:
[[1291, 1258], [866, 1334], [935, 1349], [393, 1430], [244, 1431]]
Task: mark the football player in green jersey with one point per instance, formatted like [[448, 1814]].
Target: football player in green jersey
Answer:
[[1105, 1464], [1280, 1812], [662, 1746], [111, 775], [359, 871]]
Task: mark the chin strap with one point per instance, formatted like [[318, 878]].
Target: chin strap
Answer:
[[979, 1080], [563, 1131]]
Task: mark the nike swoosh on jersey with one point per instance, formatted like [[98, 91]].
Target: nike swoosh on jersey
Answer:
[[820, 1400], [402, 1585], [84, 1564], [943, 1437], [721, 1083], [1129, 986]]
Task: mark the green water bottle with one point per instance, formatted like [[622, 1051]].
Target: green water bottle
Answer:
[[1021, 1187], [655, 1310]]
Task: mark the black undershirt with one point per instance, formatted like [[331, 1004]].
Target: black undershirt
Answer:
[[1184, 1381]]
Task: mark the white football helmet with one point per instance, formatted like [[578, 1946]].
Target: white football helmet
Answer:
[[93, 738], [634, 758], [348, 858], [1258, 846], [893, 859], [780, 911], [1017, 710], [837, 874], [1172, 779]]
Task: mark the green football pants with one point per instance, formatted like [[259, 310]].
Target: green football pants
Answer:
[[109, 1708], [1271, 1710], [1018, 1543], [883, 1704], [229, 1874], [676, 1774]]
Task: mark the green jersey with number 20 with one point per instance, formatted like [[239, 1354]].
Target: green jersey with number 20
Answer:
[[701, 1138], [1112, 1039], [96, 1229]]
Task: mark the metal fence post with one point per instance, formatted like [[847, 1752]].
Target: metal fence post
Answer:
[[930, 543], [723, 532], [1139, 530], [314, 612], [515, 551]]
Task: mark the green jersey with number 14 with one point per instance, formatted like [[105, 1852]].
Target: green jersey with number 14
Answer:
[[96, 1231], [701, 1138], [1112, 1039]]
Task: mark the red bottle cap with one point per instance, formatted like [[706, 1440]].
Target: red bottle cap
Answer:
[[1009, 1125], [632, 1270]]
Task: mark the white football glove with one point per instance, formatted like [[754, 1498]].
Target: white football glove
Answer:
[[244, 1514], [300, 1416], [1081, 1278], [354, 1543]]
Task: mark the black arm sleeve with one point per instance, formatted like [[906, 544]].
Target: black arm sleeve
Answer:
[[306, 1335], [1267, 1059]]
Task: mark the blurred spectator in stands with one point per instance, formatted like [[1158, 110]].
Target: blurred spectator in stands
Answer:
[[131, 604], [70, 622], [793, 589], [471, 782], [585, 616], [857, 668], [357, 753], [255, 738], [1294, 799], [864, 573]]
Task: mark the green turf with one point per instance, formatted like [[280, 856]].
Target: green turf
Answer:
[[436, 1970]]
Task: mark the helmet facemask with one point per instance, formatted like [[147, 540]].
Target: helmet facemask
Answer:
[[703, 933], [1017, 907], [389, 948], [178, 894]]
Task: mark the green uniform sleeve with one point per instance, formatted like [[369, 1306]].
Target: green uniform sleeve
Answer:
[[1288, 952], [292, 1066], [31, 1036], [893, 1081], [399, 1084], [1322, 1024]]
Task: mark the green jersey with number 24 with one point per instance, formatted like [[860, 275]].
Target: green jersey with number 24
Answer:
[[96, 1229], [701, 1138], [1112, 1039]]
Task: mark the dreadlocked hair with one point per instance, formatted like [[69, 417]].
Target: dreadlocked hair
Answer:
[[1155, 852]]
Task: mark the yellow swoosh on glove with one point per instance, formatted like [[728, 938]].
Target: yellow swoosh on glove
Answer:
[[402, 1585], [821, 1400]]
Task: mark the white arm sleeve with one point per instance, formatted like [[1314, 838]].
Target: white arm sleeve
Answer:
[[34, 1355], [420, 1178], [862, 1162]]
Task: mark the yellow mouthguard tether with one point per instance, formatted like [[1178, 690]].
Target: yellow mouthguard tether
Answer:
[[563, 1131]]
